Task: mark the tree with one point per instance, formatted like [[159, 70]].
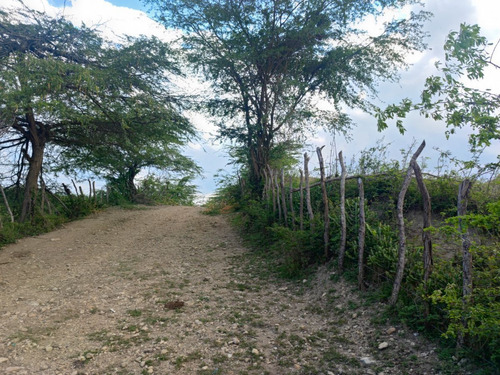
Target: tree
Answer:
[[450, 98], [65, 85], [270, 60], [152, 138]]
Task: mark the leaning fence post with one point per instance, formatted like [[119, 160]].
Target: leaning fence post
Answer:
[[401, 225], [7, 204], [426, 237]]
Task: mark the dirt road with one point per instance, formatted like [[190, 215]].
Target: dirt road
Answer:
[[169, 290]]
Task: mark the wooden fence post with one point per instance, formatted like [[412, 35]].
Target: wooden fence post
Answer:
[[271, 188], [265, 191], [292, 211], [326, 214], [74, 185], [463, 195], [283, 197], [426, 237], [361, 235], [308, 191], [401, 225], [301, 213], [343, 225], [277, 186], [7, 204]]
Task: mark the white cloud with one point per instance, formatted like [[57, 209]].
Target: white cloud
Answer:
[[113, 21]]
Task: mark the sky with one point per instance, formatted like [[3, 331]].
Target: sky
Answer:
[[117, 17]]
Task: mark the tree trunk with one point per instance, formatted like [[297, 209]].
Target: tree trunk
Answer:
[[343, 225], [401, 225], [361, 236], [326, 214], [31, 186], [131, 189]]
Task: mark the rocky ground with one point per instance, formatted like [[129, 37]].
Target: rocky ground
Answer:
[[168, 290]]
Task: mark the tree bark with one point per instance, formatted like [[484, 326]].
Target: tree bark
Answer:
[[130, 176], [361, 236], [343, 225], [401, 226], [31, 186], [326, 213]]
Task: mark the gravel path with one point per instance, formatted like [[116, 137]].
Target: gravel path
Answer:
[[168, 290]]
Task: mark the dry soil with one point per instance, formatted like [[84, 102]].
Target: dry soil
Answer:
[[169, 290]]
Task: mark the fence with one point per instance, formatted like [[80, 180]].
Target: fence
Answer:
[[282, 197]]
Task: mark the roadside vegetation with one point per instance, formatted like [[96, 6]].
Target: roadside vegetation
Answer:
[[75, 106], [435, 308]]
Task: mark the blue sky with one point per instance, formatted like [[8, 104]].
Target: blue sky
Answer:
[[125, 16]]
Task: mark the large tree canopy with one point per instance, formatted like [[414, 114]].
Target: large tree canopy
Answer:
[[268, 60], [152, 138], [65, 85]]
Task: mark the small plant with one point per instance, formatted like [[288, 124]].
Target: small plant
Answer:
[[134, 313]]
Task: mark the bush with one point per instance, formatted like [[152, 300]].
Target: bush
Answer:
[[157, 190]]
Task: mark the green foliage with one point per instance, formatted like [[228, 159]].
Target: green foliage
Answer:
[[43, 223], [296, 250], [102, 107], [446, 97], [154, 189], [227, 198], [481, 312], [268, 59], [80, 206]]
